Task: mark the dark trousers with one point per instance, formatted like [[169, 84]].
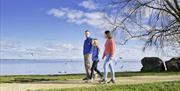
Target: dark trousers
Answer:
[[94, 68]]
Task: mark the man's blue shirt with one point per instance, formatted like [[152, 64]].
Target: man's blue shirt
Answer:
[[87, 49]]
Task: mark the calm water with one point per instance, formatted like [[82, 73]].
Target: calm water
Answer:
[[41, 67]]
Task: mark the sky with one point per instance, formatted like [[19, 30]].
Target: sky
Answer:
[[54, 29]]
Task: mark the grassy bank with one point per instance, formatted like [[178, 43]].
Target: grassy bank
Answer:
[[161, 86], [36, 78]]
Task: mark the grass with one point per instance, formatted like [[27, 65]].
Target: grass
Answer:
[[36, 78], [160, 86]]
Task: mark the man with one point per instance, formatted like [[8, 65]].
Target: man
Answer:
[[87, 52]]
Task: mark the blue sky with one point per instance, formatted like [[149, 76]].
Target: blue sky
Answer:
[[26, 20], [40, 29]]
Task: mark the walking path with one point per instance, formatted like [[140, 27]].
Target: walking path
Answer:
[[80, 83]]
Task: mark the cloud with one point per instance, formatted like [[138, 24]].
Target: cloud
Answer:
[[148, 12], [56, 12], [88, 4], [93, 18], [56, 50], [11, 49], [9, 45], [65, 46], [135, 52], [51, 50]]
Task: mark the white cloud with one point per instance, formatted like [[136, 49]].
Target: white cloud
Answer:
[[9, 45], [11, 49], [56, 12], [93, 18], [135, 52], [88, 4], [148, 12], [66, 46], [53, 50], [56, 50]]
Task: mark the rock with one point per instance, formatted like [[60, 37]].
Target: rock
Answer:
[[173, 64], [152, 64]]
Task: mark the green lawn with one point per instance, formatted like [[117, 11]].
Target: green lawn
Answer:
[[161, 86], [35, 78]]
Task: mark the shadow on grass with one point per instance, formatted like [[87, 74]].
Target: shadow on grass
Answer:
[[63, 82], [50, 81], [25, 80]]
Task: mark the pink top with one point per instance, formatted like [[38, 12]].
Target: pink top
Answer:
[[109, 47]]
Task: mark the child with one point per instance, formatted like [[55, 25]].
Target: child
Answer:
[[95, 59]]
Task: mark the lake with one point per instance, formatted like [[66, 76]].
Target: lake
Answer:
[[58, 66]]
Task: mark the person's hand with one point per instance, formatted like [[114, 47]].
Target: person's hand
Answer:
[[102, 58], [111, 58]]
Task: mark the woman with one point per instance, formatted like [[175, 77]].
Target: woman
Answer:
[[109, 53]]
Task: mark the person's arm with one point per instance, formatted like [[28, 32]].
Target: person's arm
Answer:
[[103, 56], [84, 47], [104, 51], [98, 49], [91, 46], [112, 48]]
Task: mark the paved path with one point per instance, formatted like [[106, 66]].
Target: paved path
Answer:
[[80, 83]]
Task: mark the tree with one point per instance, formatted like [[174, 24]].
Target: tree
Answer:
[[157, 22]]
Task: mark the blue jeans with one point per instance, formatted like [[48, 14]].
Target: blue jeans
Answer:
[[108, 63]]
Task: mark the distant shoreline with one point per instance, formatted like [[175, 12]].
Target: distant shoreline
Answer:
[[60, 66]]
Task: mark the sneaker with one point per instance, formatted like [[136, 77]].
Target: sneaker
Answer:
[[103, 81], [89, 81], [101, 78], [112, 81], [86, 78]]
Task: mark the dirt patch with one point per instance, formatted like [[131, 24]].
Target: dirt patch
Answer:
[[80, 83]]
